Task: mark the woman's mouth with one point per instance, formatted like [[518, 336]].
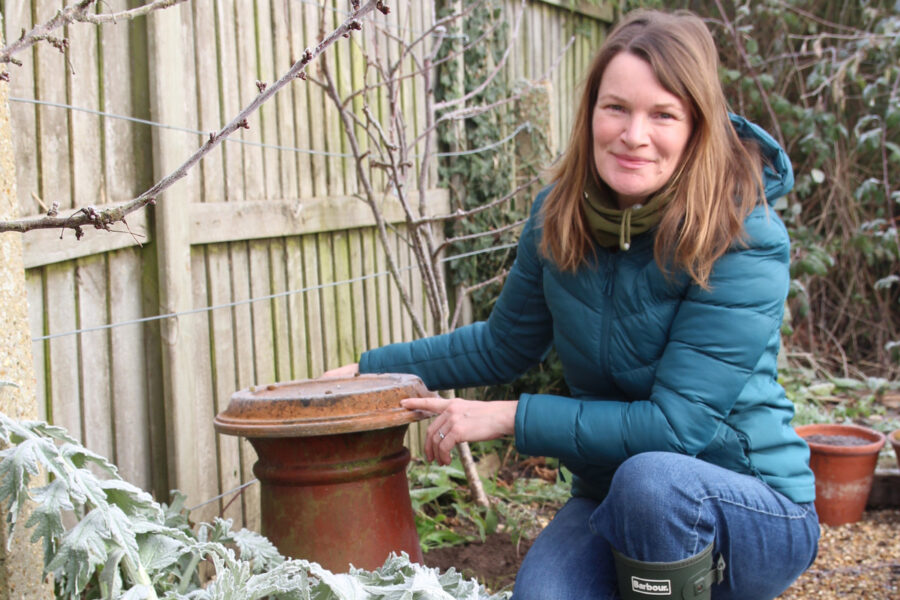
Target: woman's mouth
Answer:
[[631, 162]]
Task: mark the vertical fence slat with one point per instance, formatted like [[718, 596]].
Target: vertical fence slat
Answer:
[[62, 370], [93, 351], [278, 20], [53, 123], [370, 287], [268, 114], [229, 98], [84, 139], [128, 371], [16, 18], [223, 381], [281, 323], [300, 104], [296, 308], [203, 439], [121, 160], [316, 102], [244, 24], [243, 347], [208, 96], [357, 270], [35, 286], [329, 300], [315, 345], [170, 78], [343, 314]]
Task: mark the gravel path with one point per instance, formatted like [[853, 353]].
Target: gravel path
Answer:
[[856, 561]]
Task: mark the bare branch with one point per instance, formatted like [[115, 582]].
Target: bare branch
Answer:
[[480, 234], [77, 13], [465, 214], [103, 219], [468, 290]]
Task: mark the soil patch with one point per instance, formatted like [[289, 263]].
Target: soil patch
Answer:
[[493, 563]]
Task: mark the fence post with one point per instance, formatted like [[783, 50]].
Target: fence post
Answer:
[[21, 571], [169, 101]]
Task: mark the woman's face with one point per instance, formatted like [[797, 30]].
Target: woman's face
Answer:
[[640, 130]]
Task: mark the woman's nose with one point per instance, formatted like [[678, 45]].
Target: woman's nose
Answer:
[[635, 132]]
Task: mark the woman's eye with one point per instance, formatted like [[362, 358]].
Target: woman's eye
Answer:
[[666, 115]]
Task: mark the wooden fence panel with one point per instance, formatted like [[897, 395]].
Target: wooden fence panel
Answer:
[[247, 223]]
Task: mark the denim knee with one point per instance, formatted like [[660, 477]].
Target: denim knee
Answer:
[[645, 487]]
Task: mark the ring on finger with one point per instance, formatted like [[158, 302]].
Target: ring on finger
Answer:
[[441, 434]]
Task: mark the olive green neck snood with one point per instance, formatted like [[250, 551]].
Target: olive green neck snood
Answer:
[[612, 226]]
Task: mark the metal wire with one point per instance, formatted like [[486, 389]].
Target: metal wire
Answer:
[[223, 494], [174, 127], [257, 299], [523, 126]]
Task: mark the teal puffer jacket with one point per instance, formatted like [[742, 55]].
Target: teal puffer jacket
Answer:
[[653, 364]]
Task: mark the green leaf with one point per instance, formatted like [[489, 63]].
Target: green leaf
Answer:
[[257, 549], [19, 464], [157, 552], [81, 551], [131, 499], [79, 456], [46, 518]]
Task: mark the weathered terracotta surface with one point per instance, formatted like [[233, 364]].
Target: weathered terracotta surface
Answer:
[[322, 406], [332, 466]]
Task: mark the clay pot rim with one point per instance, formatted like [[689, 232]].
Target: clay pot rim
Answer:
[[877, 438], [894, 439], [280, 410]]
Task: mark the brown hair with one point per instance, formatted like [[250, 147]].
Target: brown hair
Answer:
[[719, 179]]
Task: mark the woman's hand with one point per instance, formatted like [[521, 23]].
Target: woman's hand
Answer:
[[461, 420], [344, 371]]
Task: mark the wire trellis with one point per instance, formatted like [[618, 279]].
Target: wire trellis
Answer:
[[258, 298]]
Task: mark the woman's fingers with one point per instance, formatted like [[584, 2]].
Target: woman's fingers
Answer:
[[461, 420], [434, 405]]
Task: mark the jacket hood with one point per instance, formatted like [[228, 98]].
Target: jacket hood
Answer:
[[778, 175]]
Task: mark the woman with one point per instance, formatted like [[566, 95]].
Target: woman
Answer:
[[656, 269]]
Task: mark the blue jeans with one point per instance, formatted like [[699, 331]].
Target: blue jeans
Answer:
[[665, 507]]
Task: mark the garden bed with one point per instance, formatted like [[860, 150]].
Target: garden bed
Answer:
[[856, 560]]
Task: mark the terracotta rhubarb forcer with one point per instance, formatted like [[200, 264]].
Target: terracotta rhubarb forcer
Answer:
[[332, 466]]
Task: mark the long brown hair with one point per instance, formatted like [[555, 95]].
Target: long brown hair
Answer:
[[719, 179]]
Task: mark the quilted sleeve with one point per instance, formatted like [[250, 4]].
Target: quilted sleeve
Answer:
[[716, 340], [516, 335]]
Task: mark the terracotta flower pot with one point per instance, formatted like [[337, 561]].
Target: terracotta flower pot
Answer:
[[844, 468], [895, 442]]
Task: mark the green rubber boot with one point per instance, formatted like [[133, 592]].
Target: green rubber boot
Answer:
[[688, 579]]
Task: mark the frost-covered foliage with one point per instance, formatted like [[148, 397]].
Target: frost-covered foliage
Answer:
[[124, 545]]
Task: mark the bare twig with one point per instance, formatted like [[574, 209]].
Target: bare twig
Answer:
[[76, 13], [472, 288], [102, 219], [465, 214], [480, 234]]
